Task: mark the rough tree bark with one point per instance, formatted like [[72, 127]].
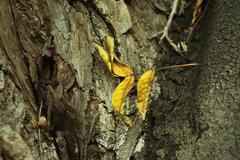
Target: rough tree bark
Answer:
[[48, 63], [197, 114]]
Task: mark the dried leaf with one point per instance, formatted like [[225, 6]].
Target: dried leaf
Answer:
[[41, 122], [143, 91], [110, 46], [120, 69], [115, 66], [104, 55], [120, 93], [119, 96]]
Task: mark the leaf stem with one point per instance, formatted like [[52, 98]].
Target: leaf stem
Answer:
[[178, 66]]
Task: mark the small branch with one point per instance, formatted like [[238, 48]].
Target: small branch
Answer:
[[168, 25], [39, 133], [170, 18], [170, 41]]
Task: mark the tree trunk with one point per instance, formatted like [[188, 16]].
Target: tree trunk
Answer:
[[49, 67]]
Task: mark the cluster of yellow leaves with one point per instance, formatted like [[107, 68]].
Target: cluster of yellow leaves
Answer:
[[119, 69], [110, 59]]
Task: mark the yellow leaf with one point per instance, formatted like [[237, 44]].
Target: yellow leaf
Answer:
[[104, 55], [115, 66], [110, 46], [120, 69], [121, 92], [143, 91]]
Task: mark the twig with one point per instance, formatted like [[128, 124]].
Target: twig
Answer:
[[174, 66], [39, 133], [178, 66], [192, 26], [168, 25]]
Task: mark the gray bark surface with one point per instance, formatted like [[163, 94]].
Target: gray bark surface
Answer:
[[218, 95], [48, 63], [197, 113]]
